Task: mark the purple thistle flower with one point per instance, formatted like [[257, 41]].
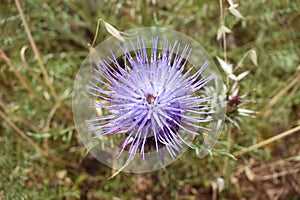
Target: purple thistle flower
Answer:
[[150, 96]]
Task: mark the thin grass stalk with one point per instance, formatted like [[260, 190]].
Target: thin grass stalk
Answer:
[[282, 92], [54, 160], [28, 68], [20, 77], [36, 51], [22, 134], [267, 141], [222, 21], [51, 114]]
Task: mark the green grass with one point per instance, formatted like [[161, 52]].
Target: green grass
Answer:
[[63, 30]]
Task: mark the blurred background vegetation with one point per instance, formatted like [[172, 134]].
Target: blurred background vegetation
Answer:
[[41, 156]]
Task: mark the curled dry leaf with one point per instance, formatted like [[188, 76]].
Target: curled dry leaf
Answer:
[[233, 77], [61, 174], [220, 184], [249, 174], [239, 77], [246, 112], [113, 31], [253, 56], [235, 12], [227, 67], [231, 4], [223, 29], [242, 75]]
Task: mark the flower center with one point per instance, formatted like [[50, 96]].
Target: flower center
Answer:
[[150, 98]]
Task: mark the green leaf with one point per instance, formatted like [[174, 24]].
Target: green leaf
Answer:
[[38, 135], [224, 153]]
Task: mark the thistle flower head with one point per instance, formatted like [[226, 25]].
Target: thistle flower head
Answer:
[[235, 101], [150, 99]]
